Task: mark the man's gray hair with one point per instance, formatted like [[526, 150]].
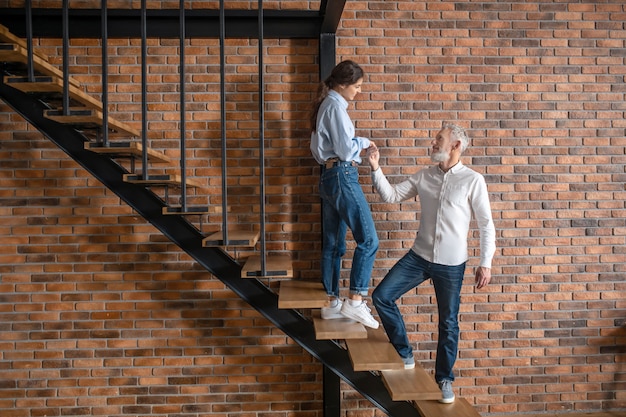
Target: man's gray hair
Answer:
[[459, 134]]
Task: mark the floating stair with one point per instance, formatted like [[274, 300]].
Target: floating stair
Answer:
[[459, 408], [276, 266], [242, 238], [411, 384], [90, 119], [338, 329], [127, 150], [301, 294], [375, 353], [160, 180], [47, 84]]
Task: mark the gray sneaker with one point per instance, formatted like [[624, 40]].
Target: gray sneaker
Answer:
[[409, 363], [447, 395]]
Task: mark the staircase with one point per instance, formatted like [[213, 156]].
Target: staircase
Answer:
[[367, 362]]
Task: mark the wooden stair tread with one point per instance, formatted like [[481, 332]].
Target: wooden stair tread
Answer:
[[12, 52], [338, 328], [89, 118], [411, 384], [128, 150], [375, 353], [160, 180], [279, 266], [8, 37], [52, 84], [433, 408], [301, 294], [245, 238]]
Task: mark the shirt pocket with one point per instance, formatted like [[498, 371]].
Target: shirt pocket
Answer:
[[456, 195]]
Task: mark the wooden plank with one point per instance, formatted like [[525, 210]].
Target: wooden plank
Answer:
[[128, 150], [51, 84], [301, 294], [89, 118], [7, 36], [246, 238], [433, 408], [159, 180], [17, 53], [276, 266], [338, 328], [411, 384], [375, 353]]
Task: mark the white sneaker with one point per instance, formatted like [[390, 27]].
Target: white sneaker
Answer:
[[361, 313], [329, 313]]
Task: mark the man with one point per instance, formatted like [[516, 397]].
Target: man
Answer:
[[449, 193]]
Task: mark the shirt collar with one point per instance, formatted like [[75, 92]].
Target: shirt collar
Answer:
[[458, 166], [338, 97]]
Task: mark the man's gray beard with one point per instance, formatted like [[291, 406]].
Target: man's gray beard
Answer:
[[441, 156]]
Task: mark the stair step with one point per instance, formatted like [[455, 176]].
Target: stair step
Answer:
[[191, 210], [277, 266], [50, 84], [375, 353], [160, 180], [411, 384], [8, 37], [127, 150], [301, 294], [433, 408], [235, 238], [14, 52], [338, 328], [89, 118]]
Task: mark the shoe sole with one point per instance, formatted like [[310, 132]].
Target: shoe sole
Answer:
[[357, 319], [447, 401], [412, 366]]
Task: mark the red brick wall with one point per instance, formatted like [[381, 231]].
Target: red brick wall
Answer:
[[100, 315]]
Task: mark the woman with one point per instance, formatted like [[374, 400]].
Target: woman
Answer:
[[336, 148]]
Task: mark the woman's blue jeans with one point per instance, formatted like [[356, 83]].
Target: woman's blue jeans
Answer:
[[408, 273], [344, 205]]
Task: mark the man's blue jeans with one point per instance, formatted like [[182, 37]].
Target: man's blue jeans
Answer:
[[408, 273], [344, 205]]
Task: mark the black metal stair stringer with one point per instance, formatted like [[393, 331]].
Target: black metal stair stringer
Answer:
[[214, 260]]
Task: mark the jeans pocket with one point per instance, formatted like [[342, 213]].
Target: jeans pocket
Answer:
[[330, 187]]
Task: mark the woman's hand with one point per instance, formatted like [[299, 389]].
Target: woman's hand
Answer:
[[373, 156]]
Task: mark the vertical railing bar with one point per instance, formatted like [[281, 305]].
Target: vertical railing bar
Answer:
[[29, 41], [144, 100], [66, 55], [183, 166], [261, 140], [223, 122], [105, 74]]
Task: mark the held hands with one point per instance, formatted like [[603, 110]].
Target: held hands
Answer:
[[373, 156], [483, 277]]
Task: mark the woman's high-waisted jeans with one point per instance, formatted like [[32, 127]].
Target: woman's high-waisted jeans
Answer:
[[408, 273], [344, 205]]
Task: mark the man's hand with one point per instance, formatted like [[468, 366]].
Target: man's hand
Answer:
[[373, 156], [483, 277]]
